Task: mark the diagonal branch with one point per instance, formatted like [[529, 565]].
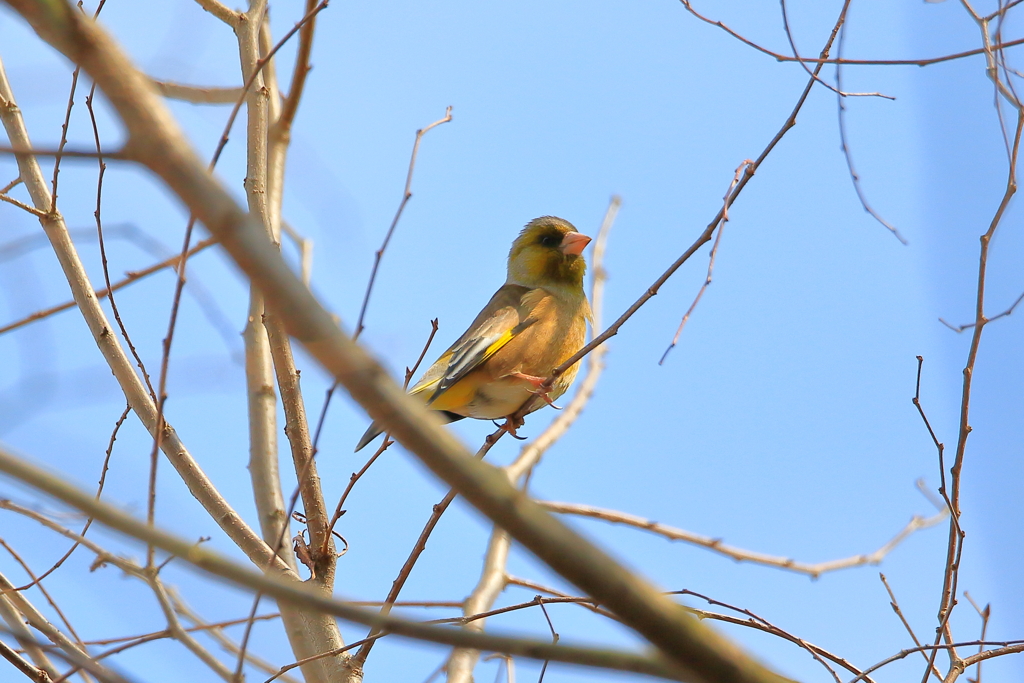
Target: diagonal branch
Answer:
[[740, 554], [705, 236], [274, 585], [155, 139], [493, 576], [131, 277], [406, 196], [142, 403]]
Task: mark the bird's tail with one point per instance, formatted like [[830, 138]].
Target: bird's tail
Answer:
[[374, 430], [371, 433]]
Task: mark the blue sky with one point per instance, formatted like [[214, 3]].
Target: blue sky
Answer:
[[782, 422]]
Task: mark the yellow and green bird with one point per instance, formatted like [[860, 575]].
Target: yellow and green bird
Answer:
[[532, 324]]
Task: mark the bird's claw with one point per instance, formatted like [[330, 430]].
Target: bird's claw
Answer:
[[547, 399], [510, 426], [538, 388]]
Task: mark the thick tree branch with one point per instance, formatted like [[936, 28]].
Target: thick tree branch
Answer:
[[82, 291], [300, 595], [155, 139]]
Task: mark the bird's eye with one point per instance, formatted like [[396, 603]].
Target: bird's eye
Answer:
[[550, 241]]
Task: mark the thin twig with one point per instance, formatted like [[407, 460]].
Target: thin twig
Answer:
[[588, 603], [23, 206], [939, 446], [977, 659], [64, 134], [1005, 647], [1003, 9], [356, 476], [135, 642], [366, 297], [132, 276], [554, 639], [414, 555], [742, 555], [406, 196], [772, 629], [796, 56], [242, 654], [845, 147], [37, 582], [967, 326], [161, 395], [317, 657], [711, 259], [198, 626], [260, 65], [97, 214], [705, 236], [396, 586], [537, 601], [926, 61], [10, 186], [984, 614], [899, 613], [102, 556]]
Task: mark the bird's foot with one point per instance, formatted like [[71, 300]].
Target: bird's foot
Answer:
[[538, 387], [511, 424]]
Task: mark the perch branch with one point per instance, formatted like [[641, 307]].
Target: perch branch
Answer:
[[156, 140]]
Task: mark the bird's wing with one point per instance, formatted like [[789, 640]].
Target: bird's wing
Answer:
[[498, 323]]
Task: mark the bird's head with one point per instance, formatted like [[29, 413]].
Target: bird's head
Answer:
[[548, 253]]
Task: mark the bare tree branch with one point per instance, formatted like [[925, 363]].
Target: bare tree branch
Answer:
[[154, 138], [741, 555], [131, 277], [16, 626], [32, 672], [230, 17], [492, 582], [406, 196], [197, 94], [845, 146], [142, 404], [284, 589], [899, 613]]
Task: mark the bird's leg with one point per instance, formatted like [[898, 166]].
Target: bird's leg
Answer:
[[538, 387], [512, 423]]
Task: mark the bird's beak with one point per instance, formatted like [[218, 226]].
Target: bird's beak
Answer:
[[573, 243]]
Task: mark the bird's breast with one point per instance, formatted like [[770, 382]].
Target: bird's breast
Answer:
[[536, 352]]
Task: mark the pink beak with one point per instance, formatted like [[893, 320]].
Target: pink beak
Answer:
[[573, 243]]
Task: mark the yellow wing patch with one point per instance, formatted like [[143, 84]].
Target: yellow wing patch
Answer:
[[471, 356]]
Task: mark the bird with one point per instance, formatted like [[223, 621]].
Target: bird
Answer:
[[534, 322]]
